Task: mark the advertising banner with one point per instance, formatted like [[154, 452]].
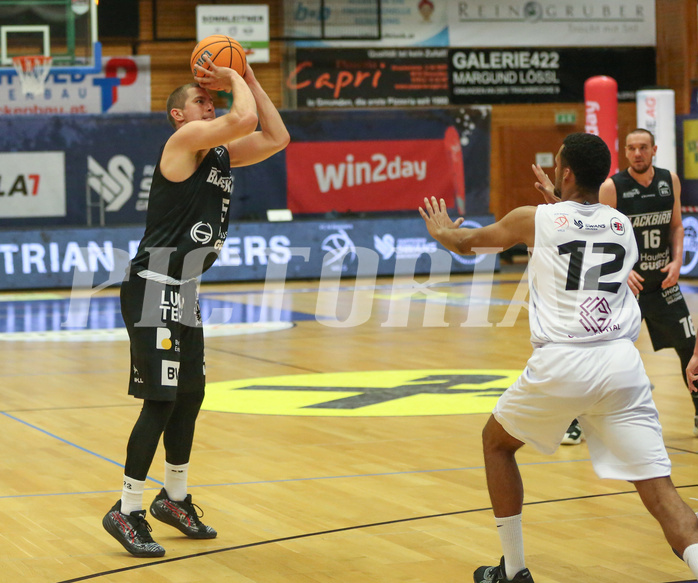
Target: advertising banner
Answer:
[[108, 163], [32, 184], [552, 23], [687, 163], [109, 159], [367, 175], [690, 151], [86, 258], [122, 86], [656, 112], [246, 23], [369, 78], [545, 75], [370, 160], [690, 246], [418, 22], [687, 160]]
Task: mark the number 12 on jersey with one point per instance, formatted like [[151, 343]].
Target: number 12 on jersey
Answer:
[[590, 279]]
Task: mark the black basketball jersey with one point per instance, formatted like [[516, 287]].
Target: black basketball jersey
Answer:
[[649, 209], [187, 221]]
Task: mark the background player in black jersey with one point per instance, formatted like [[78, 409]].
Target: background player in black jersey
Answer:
[[186, 226], [651, 198]]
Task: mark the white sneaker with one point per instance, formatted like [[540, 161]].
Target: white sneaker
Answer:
[[574, 435]]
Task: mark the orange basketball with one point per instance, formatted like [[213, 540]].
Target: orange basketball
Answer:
[[223, 50]]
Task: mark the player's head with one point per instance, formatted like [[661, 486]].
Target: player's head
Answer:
[[640, 149], [587, 156], [187, 103]]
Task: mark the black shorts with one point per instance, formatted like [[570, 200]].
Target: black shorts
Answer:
[[167, 338], [668, 319]]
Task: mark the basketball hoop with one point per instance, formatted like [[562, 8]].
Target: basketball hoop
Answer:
[[32, 71]]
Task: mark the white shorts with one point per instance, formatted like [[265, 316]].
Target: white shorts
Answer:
[[604, 386]]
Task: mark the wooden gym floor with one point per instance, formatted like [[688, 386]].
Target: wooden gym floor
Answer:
[[310, 471]]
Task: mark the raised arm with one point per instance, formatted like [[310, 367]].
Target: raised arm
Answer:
[[200, 130], [273, 136], [240, 121], [544, 185]]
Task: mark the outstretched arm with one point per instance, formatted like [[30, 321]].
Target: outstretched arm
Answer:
[[516, 227], [273, 136]]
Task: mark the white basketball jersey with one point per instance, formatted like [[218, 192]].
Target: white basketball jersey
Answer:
[[578, 275]]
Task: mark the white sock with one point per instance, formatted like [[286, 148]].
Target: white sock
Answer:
[[690, 555], [132, 495], [511, 537], [176, 481]]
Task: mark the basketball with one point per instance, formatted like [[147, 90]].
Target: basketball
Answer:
[[223, 50]]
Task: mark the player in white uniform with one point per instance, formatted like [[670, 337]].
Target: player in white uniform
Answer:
[[584, 321]]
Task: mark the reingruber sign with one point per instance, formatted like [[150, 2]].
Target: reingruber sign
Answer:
[[355, 176]]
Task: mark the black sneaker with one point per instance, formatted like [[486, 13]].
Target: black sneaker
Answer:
[[498, 575], [132, 531], [573, 435], [182, 515]]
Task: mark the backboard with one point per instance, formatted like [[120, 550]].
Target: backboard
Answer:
[[65, 30]]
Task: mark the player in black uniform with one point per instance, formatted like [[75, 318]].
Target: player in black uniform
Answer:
[[651, 198], [186, 225]]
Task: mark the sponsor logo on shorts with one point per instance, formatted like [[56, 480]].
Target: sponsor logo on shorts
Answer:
[[136, 376], [163, 341], [672, 294], [170, 373], [171, 305]]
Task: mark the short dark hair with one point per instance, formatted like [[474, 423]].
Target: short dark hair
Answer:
[[176, 100], [588, 156], [643, 131]]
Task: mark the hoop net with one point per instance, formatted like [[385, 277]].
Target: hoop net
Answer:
[[32, 71]]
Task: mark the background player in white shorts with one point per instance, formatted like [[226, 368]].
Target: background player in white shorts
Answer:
[[584, 319]]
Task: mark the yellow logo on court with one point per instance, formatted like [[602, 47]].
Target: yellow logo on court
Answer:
[[363, 394]]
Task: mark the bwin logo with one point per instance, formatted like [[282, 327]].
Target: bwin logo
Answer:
[[115, 184], [170, 373], [579, 224], [201, 233]]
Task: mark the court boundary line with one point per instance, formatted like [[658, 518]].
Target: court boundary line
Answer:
[[343, 529], [70, 443], [680, 451]]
